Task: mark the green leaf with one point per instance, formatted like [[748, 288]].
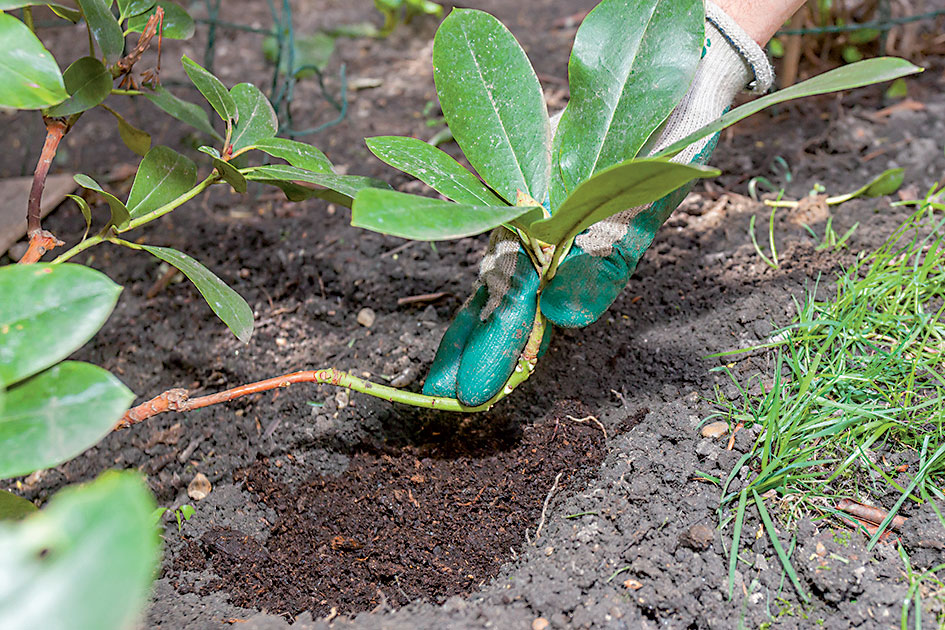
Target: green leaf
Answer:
[[183, 111], [105, 28], [295, 153], [778, 548], [84, 208], [423, 7], [88, 83], [120, 216], [312, 54], [847, 77], [84, 562], [257, 120], [886, 183], [347, 185], [66, 13], [433, 167], [13, 507], [631, 64], [224, 301], [227, 171], [177, 23], [131, 8], [212, 89], [163, 176], [53, 416], [618, 188], [426, 219], [135, 139], [493, 103], [897, 89], [67, 304], [29, 76]]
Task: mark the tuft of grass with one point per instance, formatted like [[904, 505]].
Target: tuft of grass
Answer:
[[853, 379]]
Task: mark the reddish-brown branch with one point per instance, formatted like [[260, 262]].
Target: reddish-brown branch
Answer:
[[125, 65], [178, 399], [869, 514], [42, 241]]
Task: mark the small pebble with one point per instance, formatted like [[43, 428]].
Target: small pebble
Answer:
[[540, 623], [632, 584], [714, 430], [698, 537], [341, 399], [199, 487], [366, 317]]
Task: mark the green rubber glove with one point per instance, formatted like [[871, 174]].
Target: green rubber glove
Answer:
[[482, 346]]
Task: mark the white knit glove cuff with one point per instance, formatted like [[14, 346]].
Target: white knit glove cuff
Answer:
[[750, 52]]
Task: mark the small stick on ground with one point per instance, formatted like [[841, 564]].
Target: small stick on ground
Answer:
[[544, 508], [869, 514], [589, 419], [731, 440]]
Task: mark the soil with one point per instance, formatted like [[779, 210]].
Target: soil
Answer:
[[338, 510]]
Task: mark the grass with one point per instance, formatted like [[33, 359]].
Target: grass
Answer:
[[852, 380]]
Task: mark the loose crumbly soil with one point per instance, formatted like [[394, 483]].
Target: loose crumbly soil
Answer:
[[337, 510]]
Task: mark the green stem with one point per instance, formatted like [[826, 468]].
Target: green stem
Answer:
[[173, 204], [127, 92], [78, 249], [28, 18]]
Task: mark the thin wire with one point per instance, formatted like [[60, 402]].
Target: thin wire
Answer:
[[282, 86], [880, 25]]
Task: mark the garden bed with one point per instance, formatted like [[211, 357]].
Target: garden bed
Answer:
[[327, 505]]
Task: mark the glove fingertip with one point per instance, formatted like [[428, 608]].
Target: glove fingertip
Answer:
[[441, 379]]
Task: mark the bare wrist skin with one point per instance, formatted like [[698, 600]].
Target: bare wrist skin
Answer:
[[761, 19]]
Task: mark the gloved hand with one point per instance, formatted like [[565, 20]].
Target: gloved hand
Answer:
[[482, 345]]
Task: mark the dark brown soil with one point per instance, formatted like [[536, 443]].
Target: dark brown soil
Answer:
[[425, 522]]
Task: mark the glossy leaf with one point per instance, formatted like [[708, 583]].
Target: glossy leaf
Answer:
[[84, 562], [348, 185], [84, 209], [426, 219], [227, 171], [67, 13], [257, 120], [295, 153], [135, 139], [886, 183], [131, 8], [67, 305], [120, 216], [224, 301], [434, 168], [13, 507], [493, 103], [631, 64], [163, 176], [88, 83], [212, 89], [105, 28], [312, 53], [177, 23], [53, 416], [182, 110], [628, 185], [29, 76], [846, 77]]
